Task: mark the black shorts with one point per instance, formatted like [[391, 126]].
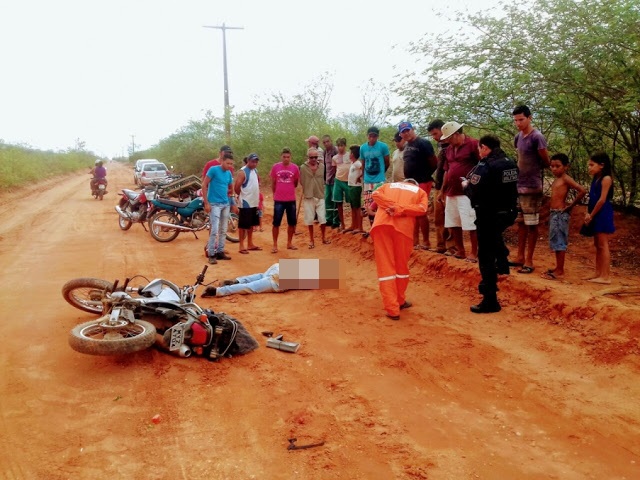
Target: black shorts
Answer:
[[279, 208], [248, 218]]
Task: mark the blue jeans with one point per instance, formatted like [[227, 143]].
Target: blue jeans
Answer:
[[256, 283], [219, 217]]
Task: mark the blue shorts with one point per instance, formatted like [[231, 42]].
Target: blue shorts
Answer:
[[559, 230], [279, 208]]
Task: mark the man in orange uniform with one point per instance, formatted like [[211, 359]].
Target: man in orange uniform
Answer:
[[398, 206]]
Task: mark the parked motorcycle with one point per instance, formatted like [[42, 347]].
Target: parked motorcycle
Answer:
[[98, 187], [172, 320], [173, 217], [136, 207]]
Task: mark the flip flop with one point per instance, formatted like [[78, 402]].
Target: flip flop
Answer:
[[311, 245], [355, 232], [347, 230], [326, 242], [254, 248], [549, 275], [425, 247], [471, 260], [459, 257], [244, 252], [526, 269], [292, 247], [274, 250], [416, 247]]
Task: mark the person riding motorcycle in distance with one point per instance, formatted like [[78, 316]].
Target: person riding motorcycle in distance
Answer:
[[99, 172]]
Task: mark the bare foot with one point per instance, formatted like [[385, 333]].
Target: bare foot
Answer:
[[602, 281]]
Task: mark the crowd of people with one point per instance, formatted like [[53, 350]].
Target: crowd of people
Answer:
[[477, 190]]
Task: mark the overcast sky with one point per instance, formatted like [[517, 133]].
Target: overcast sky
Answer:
[[102, 71]]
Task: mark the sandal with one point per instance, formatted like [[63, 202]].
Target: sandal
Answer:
[[326, 242], [244, 251], [526, 269], [471, 260], [292, 247], [254, 248], [549, 275], [274, 250], [311, 245]]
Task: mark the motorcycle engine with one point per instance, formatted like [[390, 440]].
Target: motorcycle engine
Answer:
[[199, 219]]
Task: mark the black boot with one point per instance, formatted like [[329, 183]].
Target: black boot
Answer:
[[489, 304], [209, 292]]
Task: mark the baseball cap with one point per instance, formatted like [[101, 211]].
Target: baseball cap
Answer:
[[373, 130], [313, 139], [404, 126], [449, 129], [253, 156], [225, 148]]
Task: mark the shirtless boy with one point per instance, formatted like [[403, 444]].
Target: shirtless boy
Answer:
[[561, 212]]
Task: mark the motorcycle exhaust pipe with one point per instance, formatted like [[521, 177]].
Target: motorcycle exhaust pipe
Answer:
[[174, 226], [184, 351], [122, 213]]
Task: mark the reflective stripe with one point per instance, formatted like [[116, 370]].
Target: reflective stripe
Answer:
[[382, 279], [402, 276]]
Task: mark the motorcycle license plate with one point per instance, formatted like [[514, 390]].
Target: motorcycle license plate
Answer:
[[101, 187], [177, 337]]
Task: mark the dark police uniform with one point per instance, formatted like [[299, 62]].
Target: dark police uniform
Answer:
[[492, 189]]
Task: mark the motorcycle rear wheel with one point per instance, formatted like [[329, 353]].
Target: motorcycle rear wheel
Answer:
[[100, 194], [162, 233], [232, 229], [99, 338], [125, 223], [86, 293]]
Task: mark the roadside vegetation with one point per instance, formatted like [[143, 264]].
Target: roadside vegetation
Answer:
[[20, 165]]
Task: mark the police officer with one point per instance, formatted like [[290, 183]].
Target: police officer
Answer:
[[492, 188]]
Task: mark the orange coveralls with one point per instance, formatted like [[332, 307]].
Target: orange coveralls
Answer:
[[398, 206]]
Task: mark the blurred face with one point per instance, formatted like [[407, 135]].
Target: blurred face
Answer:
[[436, 134], [456, 139], [372, 138], [227, 164], [252, 164], [557, 168], [483, 150], [328, 144], [286, 158], [400, 143], [408, 135], [522, 122], [313, 160], [342, 149], [594, 168]]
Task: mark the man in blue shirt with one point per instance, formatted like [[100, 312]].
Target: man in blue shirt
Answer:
[[375, 161], [216, 192]]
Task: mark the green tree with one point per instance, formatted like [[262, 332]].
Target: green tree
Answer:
[[575, 63]]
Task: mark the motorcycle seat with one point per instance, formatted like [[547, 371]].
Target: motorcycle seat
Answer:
[[173, 203]]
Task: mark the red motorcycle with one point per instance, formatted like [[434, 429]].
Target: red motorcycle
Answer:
[[98, 188]]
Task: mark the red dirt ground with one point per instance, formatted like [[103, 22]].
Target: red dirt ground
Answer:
[[547, 388]]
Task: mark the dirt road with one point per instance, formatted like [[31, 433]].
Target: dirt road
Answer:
[[547, 388]]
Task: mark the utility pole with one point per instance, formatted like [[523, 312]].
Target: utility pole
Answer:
[[133, 144], [227, 112]]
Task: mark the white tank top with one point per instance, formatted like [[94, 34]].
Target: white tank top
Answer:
[[250, 190]]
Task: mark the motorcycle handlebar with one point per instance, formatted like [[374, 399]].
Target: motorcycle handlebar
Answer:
[[200, 277]]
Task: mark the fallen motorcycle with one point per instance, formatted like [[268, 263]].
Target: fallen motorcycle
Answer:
[[160, 312], [173, 217]]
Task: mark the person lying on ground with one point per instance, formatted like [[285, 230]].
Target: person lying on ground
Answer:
[[269, 281]]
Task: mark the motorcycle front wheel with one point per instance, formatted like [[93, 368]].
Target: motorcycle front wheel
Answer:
[[86, 293], [124, 223], [164, 233], [98, 337], [232, 228]]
